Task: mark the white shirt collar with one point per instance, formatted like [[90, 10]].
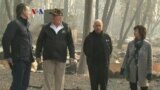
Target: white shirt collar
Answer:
[[57, 29]]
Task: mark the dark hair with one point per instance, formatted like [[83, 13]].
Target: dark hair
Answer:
[[142, 30], [19, 9]]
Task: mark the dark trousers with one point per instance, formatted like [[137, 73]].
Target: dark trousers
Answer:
[[98, 77], [21, 75], [134, 86]]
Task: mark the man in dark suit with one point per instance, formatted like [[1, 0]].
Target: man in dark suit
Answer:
[[97, 48], [17, 48], [53, 41]]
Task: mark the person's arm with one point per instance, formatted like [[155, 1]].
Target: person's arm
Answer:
[[7, 38], [126, 57], [110, 44], [40, 43], [149, 63], [125, 60], [70, 44], [85, 46]]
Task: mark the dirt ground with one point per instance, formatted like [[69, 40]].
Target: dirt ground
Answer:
[[71, 82]]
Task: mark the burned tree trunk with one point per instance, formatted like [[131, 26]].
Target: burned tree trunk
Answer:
[[97, 9], [86, 29], [123, 25]]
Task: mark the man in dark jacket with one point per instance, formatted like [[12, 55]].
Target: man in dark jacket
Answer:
[[53, 41], [97, 48], [17, 48]]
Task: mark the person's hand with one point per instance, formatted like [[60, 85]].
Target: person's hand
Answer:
[[122, 71], [39, 60], [149, 77], [10, 62], [72, 61]]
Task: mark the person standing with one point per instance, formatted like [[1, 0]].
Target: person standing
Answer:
[[98, 48], [138, 60], [53, 41], [17, 48]]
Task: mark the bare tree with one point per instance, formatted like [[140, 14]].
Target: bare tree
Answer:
[[107, 14], [123, 24], [86, 30], [65, 9], [97, 9], [154, 26], [150, 15], [28, 1], [139, 2], [148, 6], [9, 10], [152, 21], [3, 16], [106, 8], [138, 15]]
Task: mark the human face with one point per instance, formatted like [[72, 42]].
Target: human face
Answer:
[[136, 34], [56, 20], [26, 13], [98, 27]]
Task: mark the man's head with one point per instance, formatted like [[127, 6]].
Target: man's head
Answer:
[[56, 16], [98, 26], [22, 10]]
